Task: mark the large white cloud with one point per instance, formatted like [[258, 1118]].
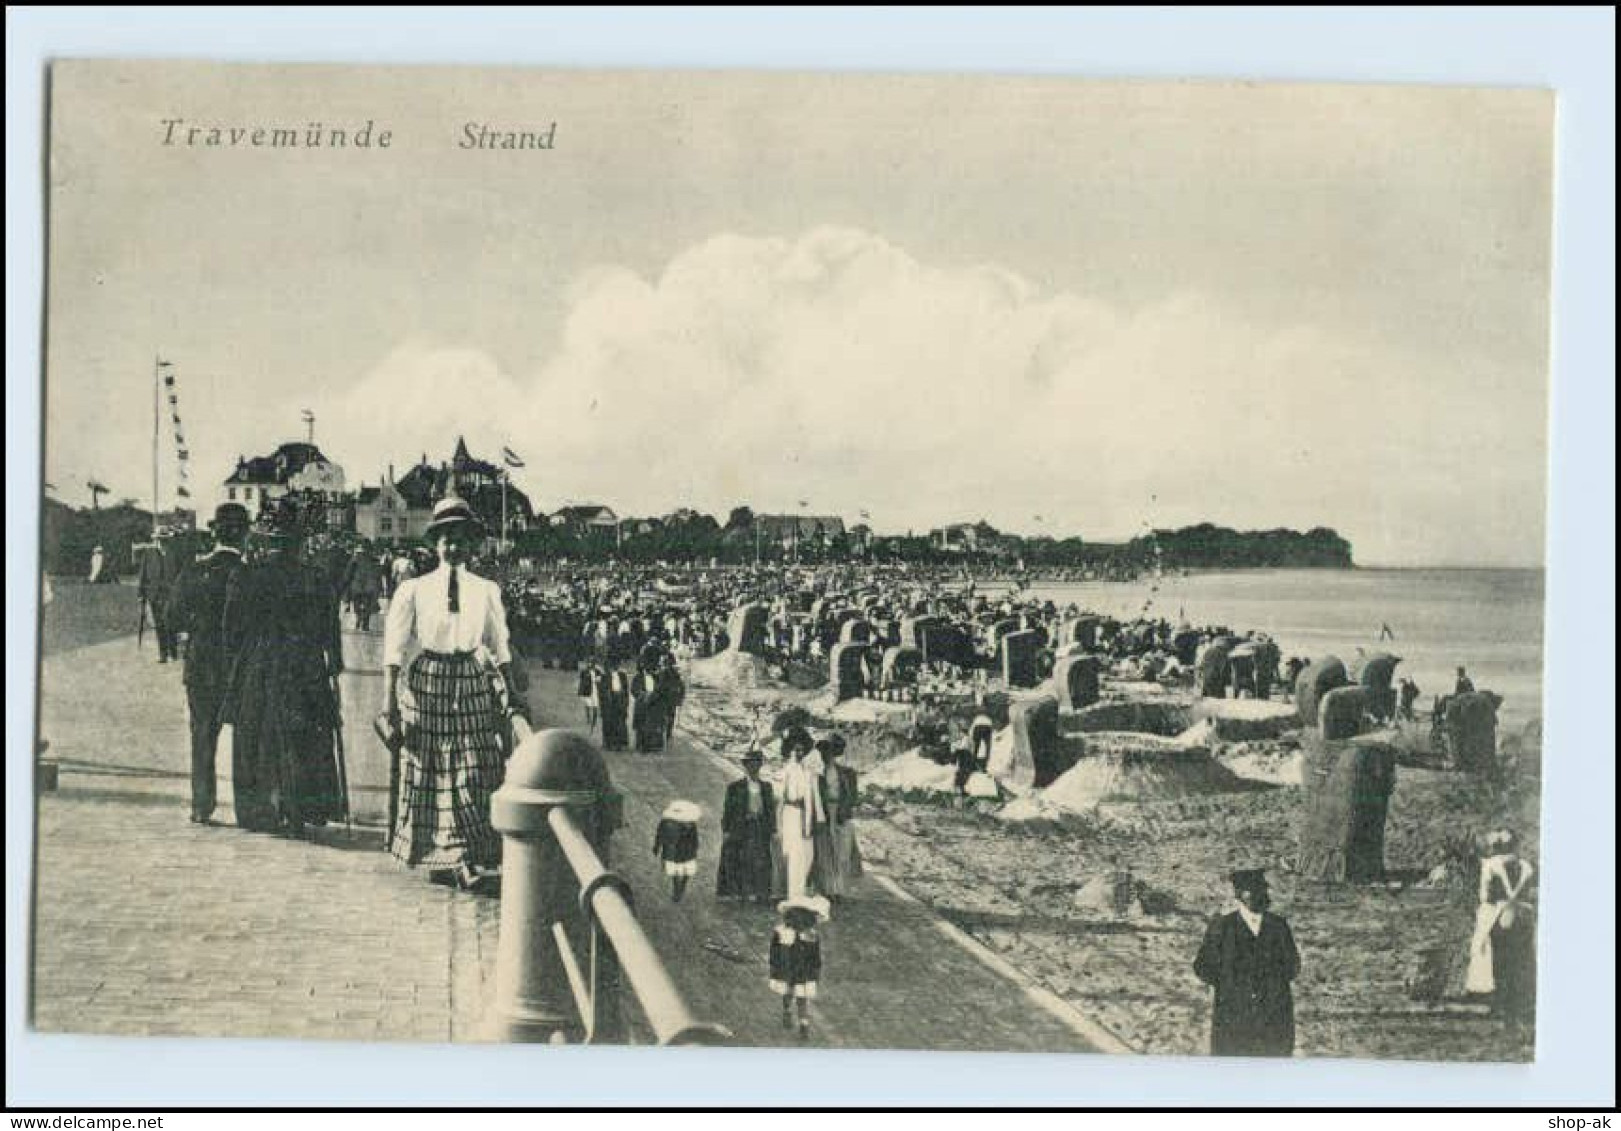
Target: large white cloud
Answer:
[[838, 369]]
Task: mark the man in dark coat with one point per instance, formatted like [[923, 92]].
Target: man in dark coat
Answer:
[[159, 567], [1249, 958], [198, 609]]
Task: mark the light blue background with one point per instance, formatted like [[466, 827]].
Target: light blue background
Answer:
[[1570, 50]]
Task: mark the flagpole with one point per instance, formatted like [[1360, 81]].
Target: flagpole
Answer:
[[505, 475]]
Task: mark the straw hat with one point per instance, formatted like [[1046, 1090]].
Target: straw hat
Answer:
[[450, 512], [682, 811], [816, 905]]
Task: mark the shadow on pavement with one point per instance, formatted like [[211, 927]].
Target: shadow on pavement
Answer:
[[69, 792]]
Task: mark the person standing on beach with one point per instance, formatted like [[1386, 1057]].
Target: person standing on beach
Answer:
[[613, 707], [1409, 696], [838, 856], [799, 812], [672, 692], [747, 824], [795, 959], [1249, 958], [198, 611], [588, 689], [1465, 685], [1502, 959], [675, 843]]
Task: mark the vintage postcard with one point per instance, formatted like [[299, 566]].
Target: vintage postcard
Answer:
[[792, 559]]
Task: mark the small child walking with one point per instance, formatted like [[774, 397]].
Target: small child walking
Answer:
[[588, 688], [676, 843], [796, 958]]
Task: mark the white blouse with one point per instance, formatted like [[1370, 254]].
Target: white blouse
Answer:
[[420, 610]]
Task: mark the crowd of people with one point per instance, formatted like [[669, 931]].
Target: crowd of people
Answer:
[[259, 616]]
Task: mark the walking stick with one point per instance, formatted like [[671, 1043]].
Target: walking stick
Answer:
[[140, 628], [343, 767], [392, 741]]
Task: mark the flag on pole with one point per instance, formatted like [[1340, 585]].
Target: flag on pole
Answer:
[[168, 380], [511, 458], [183, 492], [309, 416], [183, 454]]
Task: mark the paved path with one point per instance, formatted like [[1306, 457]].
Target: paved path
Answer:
[[146, 924]]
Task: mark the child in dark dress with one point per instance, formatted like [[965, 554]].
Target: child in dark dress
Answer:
[[796, 958], [676, 843]]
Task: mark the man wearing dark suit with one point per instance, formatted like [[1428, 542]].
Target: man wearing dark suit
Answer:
[[198, 610], [1249, 957], [160, 565]]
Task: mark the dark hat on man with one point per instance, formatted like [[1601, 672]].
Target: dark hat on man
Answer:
[[230, 513], [451, 512], [832, 745], [797, 738], [753, 755], [1248, 878]]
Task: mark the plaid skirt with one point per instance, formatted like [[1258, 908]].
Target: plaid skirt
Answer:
[[451, 763]]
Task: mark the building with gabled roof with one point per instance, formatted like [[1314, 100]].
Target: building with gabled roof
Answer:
[[407, 502], [294, 466]]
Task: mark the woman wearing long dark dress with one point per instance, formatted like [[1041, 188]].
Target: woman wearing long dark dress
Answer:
[[447, 706], [613, 707], [747, 825], [284, 704]]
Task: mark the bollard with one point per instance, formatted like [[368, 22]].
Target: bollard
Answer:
[[550, 770], [44, 771]]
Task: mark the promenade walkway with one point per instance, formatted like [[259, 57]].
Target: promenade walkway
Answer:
[[146, 924]]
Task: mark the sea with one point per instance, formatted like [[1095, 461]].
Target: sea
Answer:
[[1488, 620]]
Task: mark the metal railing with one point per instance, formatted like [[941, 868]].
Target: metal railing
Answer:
[[589, 898]]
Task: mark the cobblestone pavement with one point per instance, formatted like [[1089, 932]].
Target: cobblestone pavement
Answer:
[[146, 924]]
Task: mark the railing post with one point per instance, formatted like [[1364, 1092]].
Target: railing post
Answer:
[[550, 768]]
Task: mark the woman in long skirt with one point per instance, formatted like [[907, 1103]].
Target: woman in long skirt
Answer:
[[799, 812], [746, 827], [283, 702], [613, 707], [838, 857], [448, 706]]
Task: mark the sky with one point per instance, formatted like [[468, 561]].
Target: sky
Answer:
[[1066, 307]]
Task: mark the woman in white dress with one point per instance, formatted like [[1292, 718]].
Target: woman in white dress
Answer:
[[799, 812]]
